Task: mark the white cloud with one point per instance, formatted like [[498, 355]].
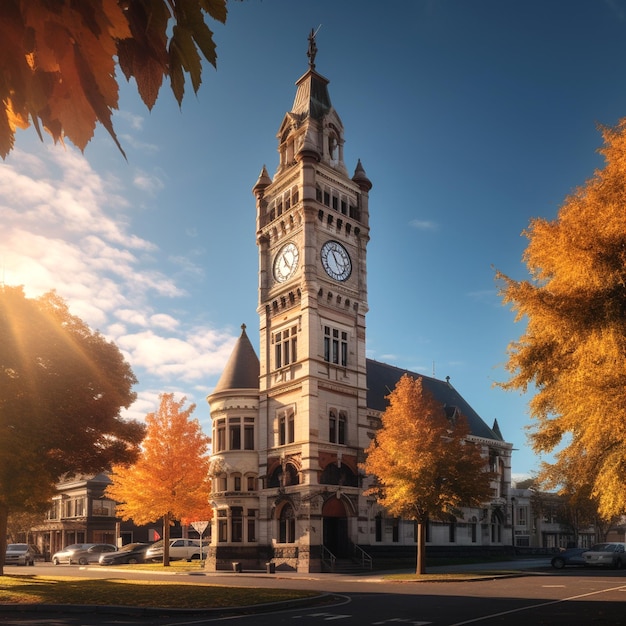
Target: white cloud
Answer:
[[186, 265], [148, 182], [424, 225], [131, 316], [65, 227], [139, 146], [133, 120], [167, 322], [199, 354], [147, 402], [518, 478]]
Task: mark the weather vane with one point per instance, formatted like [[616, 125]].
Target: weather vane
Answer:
[[312, 51]]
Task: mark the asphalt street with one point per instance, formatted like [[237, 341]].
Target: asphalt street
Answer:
[[540, 596]]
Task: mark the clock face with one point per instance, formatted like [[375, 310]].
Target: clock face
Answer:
[[336, 260], [286, 262]]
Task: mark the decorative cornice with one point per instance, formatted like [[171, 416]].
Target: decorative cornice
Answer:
[[343, 389]]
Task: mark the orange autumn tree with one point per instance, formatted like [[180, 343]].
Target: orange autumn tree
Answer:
[[572, 353], [423, 464], [170, 481], [58, 59]]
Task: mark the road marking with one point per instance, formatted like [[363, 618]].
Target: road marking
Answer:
[[403, 621], [327, 617], [537, 606]]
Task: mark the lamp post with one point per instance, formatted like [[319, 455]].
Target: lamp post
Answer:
[[513, 522]]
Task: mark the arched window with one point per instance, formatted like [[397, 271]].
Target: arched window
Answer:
[[286, 427], [236, 524], [496, 527], [280, 478], [335, 475], [220, 435], [286, 525], [274, 479], [341, 428], [220, 482], [337, 426], [222, 525]]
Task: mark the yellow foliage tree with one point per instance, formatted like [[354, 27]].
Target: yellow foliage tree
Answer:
[[573, 351], [170, 481], [58, 59], [423, 463]]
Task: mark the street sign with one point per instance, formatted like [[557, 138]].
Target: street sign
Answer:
[[200, 526]]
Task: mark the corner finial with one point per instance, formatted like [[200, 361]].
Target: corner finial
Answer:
[[312, 51]]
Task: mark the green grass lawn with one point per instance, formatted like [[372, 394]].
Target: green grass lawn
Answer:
[[32, 589]]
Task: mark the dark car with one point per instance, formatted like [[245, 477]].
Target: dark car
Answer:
[[571, 556], [129, 554]]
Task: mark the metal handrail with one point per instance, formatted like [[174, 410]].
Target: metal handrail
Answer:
[[366, 559], [330, 559]]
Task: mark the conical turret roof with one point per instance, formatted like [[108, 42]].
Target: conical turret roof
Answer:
[[242, 369]]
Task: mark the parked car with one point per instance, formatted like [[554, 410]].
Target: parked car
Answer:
[[611, 554], [20, 554], [82, 553], [65, 555], [571, 556], [131, 553], [187, 549]]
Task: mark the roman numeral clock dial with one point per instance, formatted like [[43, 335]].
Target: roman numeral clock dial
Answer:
[[336, 261], [286, 262]]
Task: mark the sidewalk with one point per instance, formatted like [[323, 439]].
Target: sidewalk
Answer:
[[516, 565]]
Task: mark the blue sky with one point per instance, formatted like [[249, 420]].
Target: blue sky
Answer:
[[470, 118]]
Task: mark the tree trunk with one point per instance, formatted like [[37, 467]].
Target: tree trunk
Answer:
[[421, 549], [4, 522], [166, 540]]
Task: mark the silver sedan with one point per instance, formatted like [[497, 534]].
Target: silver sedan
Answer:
[[610, 554]]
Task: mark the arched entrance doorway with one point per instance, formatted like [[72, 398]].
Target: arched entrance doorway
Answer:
[[335, 527]]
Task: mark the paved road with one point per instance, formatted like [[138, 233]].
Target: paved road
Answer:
[[566, 597]]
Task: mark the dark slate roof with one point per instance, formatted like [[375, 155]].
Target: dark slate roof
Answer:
[[242, 369], [382, 379], [312, 97]]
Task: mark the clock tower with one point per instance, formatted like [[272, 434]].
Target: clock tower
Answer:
[[312, 236], [290, 426]]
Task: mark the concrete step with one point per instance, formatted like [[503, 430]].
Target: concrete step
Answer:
[[347, 566]]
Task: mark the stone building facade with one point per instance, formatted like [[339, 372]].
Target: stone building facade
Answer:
[[290, 427]]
